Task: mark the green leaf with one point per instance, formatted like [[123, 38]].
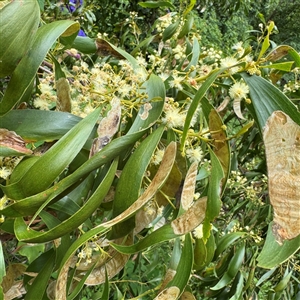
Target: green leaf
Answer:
[[39, 125], [31, 251], [189, 7], [267, 259], [129, 184], [283, 282], [283, 66], [266, 98], [266, 276], [134, 63], [197, 98], [25, 234], [184, 268], [295, 56], [26, 70], [156, 4], [237, 287], [204, 253], [85, 45], [142, 45], [160, 235], [105, 294], [195, 55], [226, 241], [30, 205], [170, 30], [213, 194], [233, 268], [19, 21], [2, 264], [155, 89], [58, 157], [80, 285], [156, 183], [266, 42], [37, 289]]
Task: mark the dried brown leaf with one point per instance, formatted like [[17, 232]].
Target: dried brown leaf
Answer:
[[105, 49], [16, 291], [156, 183], [187, 296], [62, 280], [168, 277], [237, 108], [108, 126], [191, 218], [220, 143], [188, 190], [13, 271], [170, 293], [113, 263], [9, 139], [145, 216], [282, 142]]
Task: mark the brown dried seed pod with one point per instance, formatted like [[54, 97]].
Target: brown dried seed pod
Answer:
[[282, 143]]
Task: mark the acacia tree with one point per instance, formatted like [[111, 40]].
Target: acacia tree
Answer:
[[124, 158]]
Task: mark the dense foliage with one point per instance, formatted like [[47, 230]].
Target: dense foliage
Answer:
[[132, 143]]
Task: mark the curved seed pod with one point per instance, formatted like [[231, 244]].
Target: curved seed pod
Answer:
[[282, 142]]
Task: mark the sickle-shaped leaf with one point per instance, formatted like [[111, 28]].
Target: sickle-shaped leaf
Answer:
[[266, 98], [155, 89], [19, 21], [39, 125], [184, 268], [129, 184], [221, 146], [197, 98], [30, 205], [267, 259], [23, 233], [28, 66], [233, 268], [58, 157], [156, 184], [214, 193], [181, 225]]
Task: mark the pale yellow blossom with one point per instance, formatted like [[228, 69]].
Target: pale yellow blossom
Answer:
[[230, 62]]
